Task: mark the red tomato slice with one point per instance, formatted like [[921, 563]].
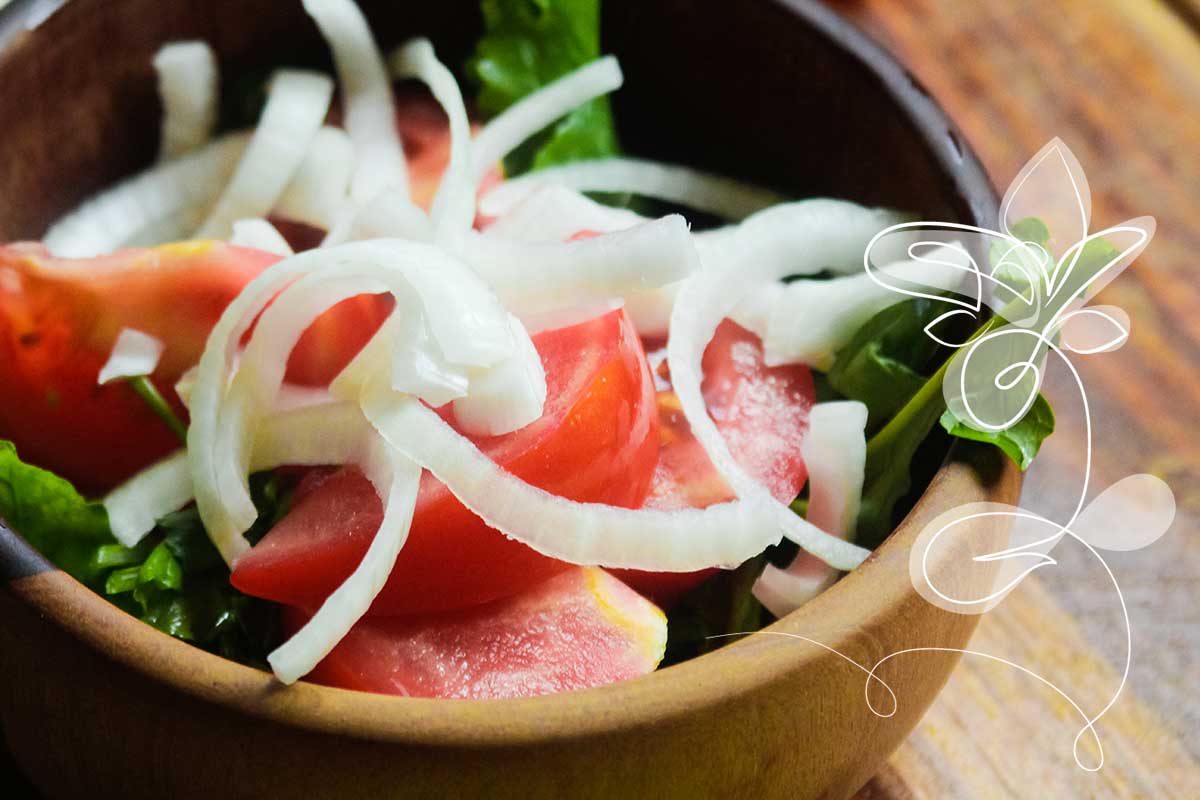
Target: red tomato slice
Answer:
[[578, 629], [763, 414], [597, 442], [59, 319]]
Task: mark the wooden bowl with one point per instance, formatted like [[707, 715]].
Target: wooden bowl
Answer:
[[96, 703]]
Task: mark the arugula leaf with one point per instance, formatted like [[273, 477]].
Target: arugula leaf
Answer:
[[53, 517], [882, 364], [1021, 442], [526, 45]]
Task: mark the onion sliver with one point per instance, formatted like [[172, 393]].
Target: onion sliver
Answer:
[[310, 435], [261, 235], [554, 213], [538, 109], [187, 87], [389, 215], [404, 346], [839, 232], [453, 209], [135, 506], [835, 453], [507, 396], [321, 184], [809, 321], [135, 354], [163, 203], [689, 187], [581, 533], [370, 110], [396, 480], [533, 277], [296, 105], [470, 327]]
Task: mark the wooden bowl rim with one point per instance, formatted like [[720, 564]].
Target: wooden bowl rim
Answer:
[[671, 692]]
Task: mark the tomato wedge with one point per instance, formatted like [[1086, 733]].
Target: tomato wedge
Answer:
[[578, 629], [59, 319], [763, 414], [597, 441]]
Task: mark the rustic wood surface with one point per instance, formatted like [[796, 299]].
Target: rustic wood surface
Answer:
[[1119, 81]]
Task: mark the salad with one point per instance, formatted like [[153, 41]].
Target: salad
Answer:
[[420, 386]]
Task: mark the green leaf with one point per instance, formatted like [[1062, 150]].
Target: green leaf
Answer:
[[526, 45], [1021, 442], [53, 517], [182, 586], [891, 462], [882, 363]]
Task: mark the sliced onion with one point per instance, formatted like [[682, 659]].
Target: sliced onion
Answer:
[[135, 506], [808, 321], [453, 209], [390, 214], [187, 87], [838, 233], [370, 110], [261, 235], [507, 396], [134, 355], [296, 105], [689, 187], [650, 311], [835, 453], [532, 277], [185, 384], [321, 184], [554, 213], [309, 435], [468, 323], [396, 480], [164, 203], [403, 345], [535, 111], [581, 533]]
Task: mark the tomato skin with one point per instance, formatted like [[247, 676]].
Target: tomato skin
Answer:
[[578, 629], [597, 442], [59, 319], [762, 412]]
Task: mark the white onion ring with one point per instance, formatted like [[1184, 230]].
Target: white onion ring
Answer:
[[835, 454], [370, 110], [581, 533], [296, 105], [187, 87], [685, 186], [538, 109], [453, 209]]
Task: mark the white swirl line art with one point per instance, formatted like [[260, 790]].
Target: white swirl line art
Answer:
[[1044, 266]]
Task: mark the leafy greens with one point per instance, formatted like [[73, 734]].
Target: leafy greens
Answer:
[[174, 580], [527, 44]]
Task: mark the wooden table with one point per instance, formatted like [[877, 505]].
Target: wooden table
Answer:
[[1119, 81]]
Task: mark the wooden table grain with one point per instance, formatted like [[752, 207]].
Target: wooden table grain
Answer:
[[1119, 82]]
